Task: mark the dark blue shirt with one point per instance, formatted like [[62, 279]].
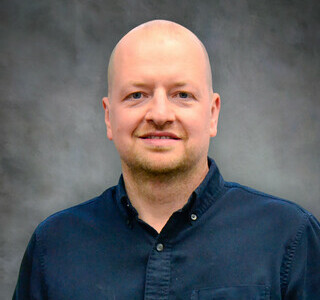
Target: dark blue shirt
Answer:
[[228, 242]]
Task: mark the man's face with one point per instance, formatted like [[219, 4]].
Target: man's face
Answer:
[[161, 112]]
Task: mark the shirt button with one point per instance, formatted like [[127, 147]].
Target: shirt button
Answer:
[[193, 217], [159, 247]]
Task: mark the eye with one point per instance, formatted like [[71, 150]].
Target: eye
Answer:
[[136, 95], [184, 95]]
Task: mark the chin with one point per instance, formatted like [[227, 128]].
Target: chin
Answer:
[[161, 168], [163, 164]]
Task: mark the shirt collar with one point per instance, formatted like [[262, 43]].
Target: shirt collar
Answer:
[[208, 191], [200, 200]]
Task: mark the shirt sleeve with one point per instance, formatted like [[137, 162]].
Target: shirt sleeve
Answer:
[[304, 272], [30, 283]]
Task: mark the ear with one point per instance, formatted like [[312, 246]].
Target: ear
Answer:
[[215, 109], [106, 107]]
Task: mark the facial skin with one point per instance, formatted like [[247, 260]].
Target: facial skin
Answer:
[[160, 84]]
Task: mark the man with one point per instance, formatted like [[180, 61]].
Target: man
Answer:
[[172, 228]]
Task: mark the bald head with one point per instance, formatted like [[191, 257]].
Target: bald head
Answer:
[[157, 33]]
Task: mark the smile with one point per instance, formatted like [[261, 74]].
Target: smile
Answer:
[[159, 141], [159, 137]]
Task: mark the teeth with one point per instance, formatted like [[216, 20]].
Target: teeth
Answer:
[[158, 137]]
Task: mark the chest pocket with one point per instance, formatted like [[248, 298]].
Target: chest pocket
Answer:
[[254, 292]]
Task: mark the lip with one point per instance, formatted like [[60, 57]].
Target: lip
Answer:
[[173, 138], [159, 134]]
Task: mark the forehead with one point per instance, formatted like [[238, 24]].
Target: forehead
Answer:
[[153, 57]]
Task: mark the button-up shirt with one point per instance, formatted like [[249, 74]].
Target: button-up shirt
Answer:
[[228, 242]]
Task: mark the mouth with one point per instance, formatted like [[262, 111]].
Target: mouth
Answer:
[[160, 135], [160, 139], [152, 137]]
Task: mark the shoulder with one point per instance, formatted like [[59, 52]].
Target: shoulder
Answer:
[[89, 213], [267, 208], [275, 223]]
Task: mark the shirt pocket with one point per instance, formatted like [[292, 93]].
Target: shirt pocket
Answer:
[[248, 292]]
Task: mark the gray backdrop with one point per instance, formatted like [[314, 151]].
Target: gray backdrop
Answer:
[[54, 151]]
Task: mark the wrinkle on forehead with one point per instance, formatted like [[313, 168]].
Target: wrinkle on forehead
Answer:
[[161, 30]]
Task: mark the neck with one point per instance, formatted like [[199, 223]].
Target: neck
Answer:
[[156, 198]]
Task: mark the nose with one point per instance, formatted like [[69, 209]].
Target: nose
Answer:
[[160, 110]]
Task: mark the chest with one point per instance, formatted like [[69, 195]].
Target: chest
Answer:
[[211, 263]]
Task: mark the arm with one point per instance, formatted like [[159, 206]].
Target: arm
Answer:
[[303, 272], [30, 283]]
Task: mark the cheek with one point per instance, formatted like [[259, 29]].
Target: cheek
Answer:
[[197, 123], [124, 123]]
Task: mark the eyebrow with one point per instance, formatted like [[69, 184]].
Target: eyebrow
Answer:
[[139, 84], [181, 83], [175, 84]]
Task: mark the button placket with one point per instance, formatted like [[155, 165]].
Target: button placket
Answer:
[[158, 272], [193, 217], [159, 247]]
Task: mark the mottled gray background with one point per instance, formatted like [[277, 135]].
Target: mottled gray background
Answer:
[[54, 151]]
